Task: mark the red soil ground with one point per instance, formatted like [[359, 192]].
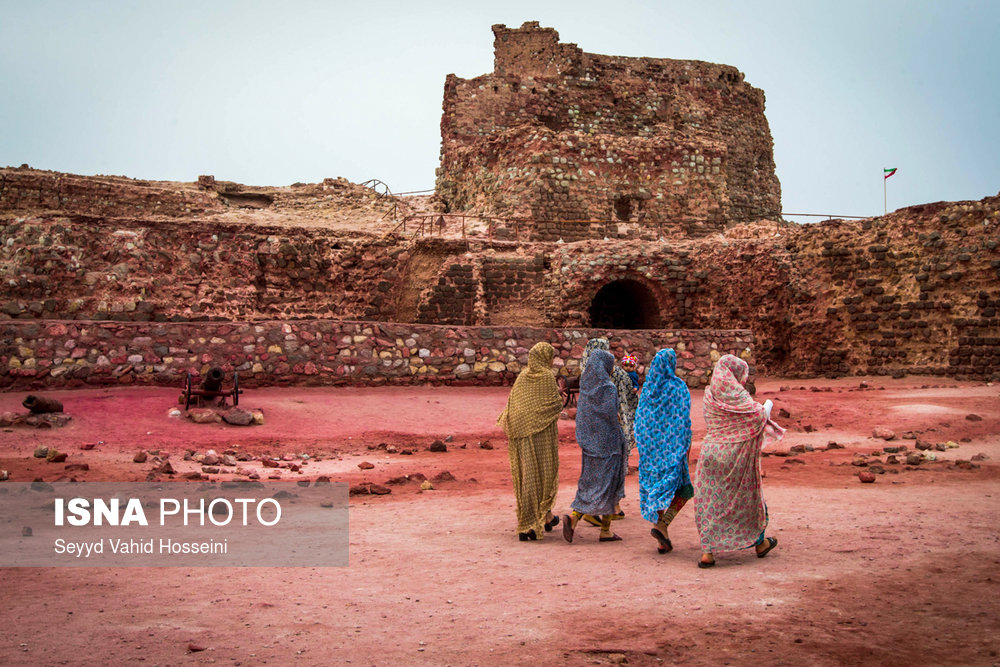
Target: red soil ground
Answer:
[[902, 571]]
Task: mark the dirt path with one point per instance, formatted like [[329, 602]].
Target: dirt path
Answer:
[[901, 571]]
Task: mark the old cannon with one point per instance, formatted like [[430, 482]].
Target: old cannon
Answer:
[[569, 389], [211, 388], [41, 404]]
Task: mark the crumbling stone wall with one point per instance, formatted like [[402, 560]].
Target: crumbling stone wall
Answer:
[[559, 135], [47, 354], [917, 291]]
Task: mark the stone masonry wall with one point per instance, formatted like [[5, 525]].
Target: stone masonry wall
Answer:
[[556, 134], [51, 354]]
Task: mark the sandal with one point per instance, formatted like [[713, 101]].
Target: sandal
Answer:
[[613, 538], [567, 529], [592, 520], [705, 565], [617, 516], [665, 545], [525, 537], [771, 543], [549, 525]]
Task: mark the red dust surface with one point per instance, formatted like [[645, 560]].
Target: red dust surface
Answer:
[[900, 571]]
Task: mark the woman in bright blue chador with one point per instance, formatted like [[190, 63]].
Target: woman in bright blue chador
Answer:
[[663, 434]]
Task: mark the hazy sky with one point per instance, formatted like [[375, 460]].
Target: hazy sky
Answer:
[[270, 93]]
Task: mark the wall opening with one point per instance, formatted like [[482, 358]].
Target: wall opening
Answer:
[[625, 304], [623, 208]]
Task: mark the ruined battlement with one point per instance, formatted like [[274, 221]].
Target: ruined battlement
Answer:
[[558, 134]]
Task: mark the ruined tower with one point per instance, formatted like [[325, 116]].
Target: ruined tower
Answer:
[[589, 146]]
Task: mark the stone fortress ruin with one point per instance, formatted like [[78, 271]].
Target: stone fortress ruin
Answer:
[[634, 196]]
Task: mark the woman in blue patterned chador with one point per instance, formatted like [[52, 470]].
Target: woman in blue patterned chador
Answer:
[[603, 447], [663, 433]]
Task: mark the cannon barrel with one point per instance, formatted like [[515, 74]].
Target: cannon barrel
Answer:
[[213, 380], [41, 404]]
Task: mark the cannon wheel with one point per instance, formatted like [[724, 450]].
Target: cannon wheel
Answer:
[[236, 389], [187, 392]]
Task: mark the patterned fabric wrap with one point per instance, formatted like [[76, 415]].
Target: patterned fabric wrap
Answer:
[[628, 399], [663, 433], [729, 504], [534, 402], [602, 478]]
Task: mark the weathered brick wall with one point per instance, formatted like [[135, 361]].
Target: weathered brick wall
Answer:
[[556, 134], [30, 189], [50, 354], [76, 267]]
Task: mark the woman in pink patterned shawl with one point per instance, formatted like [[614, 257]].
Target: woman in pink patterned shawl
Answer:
[[729, 506]]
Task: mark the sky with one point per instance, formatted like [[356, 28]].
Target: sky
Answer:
[[273, 93]]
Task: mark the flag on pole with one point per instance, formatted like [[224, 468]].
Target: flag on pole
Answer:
[[888, 172]]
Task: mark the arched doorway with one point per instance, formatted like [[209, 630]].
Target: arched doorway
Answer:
[[625, 304]]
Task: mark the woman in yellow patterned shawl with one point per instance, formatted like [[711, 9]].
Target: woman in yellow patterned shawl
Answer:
[[531, 422]]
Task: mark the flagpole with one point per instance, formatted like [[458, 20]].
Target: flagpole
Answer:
[[885, 201]]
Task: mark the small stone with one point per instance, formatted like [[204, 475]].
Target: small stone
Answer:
[[884, 433], [859, 461], [391, 449], [444, 476], [211, 460], [866, 477], [784, 414], [833, 445], [892, 460], [808, 428], [426, 486], [55, 456], [449, 438], [41, 452], [923, 445], [485, 444], [194, 476], [269, 463], [951, 444], [941, 447], [228, 460], [26, 531], [974, 418], [87, 446], [195, 648], [797, 449], [877, 469], [165, 468], [438, 446], [909, 435], [914, 459], [74, 467], [210, 470], [976, 457], [890, 449], [365, 465], [203, 416]]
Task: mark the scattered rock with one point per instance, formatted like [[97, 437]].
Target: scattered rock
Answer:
[[195, 648], [808, 428], [391, 449], [797, 449], [210, 470], [426, 486], [87, 446], [238, 417], [9, 418], [485, 444], [406, 452], [365, 465], [909, 435], [244, 456], [866, 477], [951, 444], [444, 476], [258, 417], [228, 460], [784, 414], [438, 446], [877, 469], [26, 531], [977, 457], [4, 475], [203, 416], [194, 476], [884, 433], [974, 418], [41, 452], [210, 459], [914, 459], [965, 465], [269, 463], [369, 488], [892, 460], [322, 480], [859, 461], [891, 449], [165, 468], [55, 456], [923, 445], [72, 467], [449, 438], [833, 445], [941, 447]]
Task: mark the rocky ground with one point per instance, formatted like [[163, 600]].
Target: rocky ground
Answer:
[[898, 570]]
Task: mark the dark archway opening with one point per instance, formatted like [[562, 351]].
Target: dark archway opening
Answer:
[[625, 304]]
